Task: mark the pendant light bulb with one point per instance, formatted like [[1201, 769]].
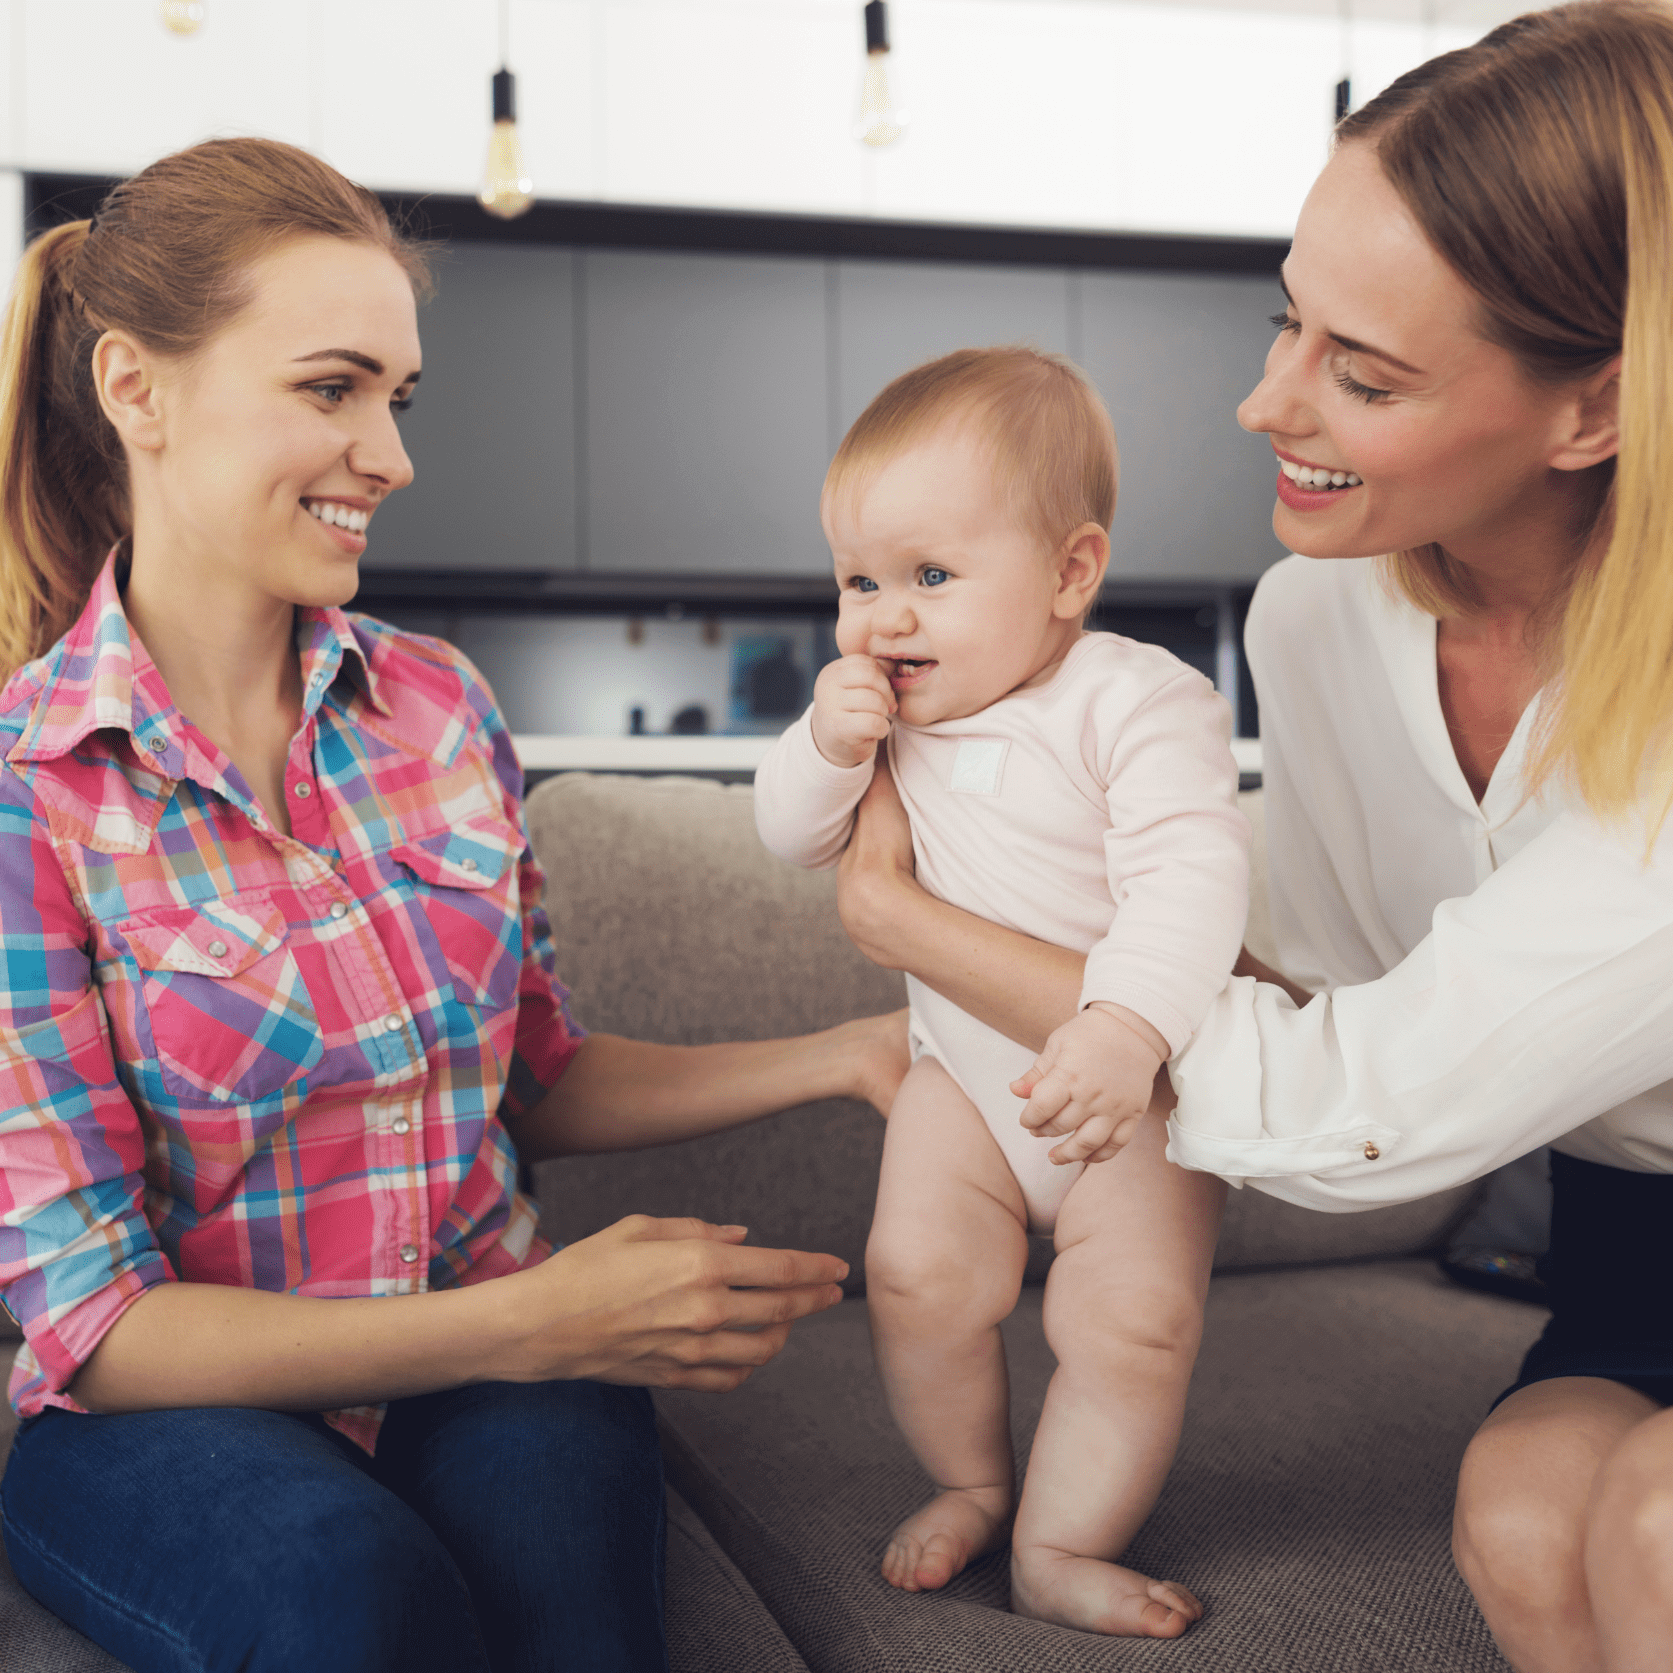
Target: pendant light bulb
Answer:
[[880, 121], [507, 191], [184, 17]]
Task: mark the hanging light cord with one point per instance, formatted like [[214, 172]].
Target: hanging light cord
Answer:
[[505, 33]]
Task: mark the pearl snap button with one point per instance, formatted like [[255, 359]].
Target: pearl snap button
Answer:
[[469, 865], [217, 949], [401, 1125], [392, 1024], [338, 910], [408, 1253], [1371, 1151], [156, 744], [304, 791]]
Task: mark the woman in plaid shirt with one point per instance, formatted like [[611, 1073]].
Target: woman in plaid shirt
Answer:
[[279, 1012]]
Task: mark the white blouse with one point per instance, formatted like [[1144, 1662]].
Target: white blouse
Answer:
[[1493, 977]]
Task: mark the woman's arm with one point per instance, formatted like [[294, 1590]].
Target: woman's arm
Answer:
[[663, 1303], [1536, 1004], [1022, 987], [622, 1094]]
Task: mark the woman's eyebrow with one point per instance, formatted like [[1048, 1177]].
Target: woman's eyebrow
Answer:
[[355, 358], [1353, 343]]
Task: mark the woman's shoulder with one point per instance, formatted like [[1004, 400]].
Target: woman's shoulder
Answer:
[[417, 673]]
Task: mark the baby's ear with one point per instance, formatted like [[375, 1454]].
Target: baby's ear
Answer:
[[1082, 559]]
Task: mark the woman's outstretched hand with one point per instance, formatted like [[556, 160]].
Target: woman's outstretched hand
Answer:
[[661, 1304]]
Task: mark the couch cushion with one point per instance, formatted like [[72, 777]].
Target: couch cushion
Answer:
[[673, 923], [1309, 1508]]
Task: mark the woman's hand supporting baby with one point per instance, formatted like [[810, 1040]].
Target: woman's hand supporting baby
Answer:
[[1093, 1082]]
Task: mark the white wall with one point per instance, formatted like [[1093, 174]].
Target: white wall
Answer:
[[1090, 113]]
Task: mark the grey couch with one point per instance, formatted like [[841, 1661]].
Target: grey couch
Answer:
[[1339, 1381]]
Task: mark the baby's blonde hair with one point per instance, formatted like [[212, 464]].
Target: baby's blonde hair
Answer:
[[1046, 427]]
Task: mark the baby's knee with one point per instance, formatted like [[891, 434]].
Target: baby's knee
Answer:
[[910, 1268], [1107, 1321]]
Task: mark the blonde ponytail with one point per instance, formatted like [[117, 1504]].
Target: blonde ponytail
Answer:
[[1609, 728]]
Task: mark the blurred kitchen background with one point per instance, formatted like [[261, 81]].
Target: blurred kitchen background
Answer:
[[632, 386]]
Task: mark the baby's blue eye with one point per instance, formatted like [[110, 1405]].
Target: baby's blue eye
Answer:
[[934, 577], [863, 584]]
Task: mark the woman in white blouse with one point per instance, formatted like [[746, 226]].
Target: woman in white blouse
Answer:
[[1468, 770]]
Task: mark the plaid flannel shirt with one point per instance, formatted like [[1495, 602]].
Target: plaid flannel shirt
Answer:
[[234, 1057]]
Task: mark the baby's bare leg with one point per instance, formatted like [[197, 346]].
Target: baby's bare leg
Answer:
[[1123, 1314], [943, 1267]]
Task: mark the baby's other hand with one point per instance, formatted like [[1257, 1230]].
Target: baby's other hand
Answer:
[[1092, 1082], [852, 703]]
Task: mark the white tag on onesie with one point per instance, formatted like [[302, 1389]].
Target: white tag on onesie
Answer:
[[977, 766]]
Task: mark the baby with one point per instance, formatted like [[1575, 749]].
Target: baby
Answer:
[[1079, 788]]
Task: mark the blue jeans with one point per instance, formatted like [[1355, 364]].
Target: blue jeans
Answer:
[[504, 1526]]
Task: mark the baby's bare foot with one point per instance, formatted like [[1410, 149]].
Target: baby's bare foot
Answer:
[[1094, 1596], [955, 1527]]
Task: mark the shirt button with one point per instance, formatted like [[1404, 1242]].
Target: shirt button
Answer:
[[409, 1253], [392, 1024], [304, 790], [157, 744], [217, 949], [401, 1125], [469, 865], [1371, 1151], [338, 910]]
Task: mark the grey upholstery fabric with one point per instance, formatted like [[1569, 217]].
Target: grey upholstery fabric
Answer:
[[716, 1623], [1310, 1505], [673, 923]]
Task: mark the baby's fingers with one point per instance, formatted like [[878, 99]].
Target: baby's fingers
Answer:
[[1048, 1099], [1116, 1142], [1087, 1139]]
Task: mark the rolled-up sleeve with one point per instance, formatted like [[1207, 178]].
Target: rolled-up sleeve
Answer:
[[1537, 1003], [75, 1247]]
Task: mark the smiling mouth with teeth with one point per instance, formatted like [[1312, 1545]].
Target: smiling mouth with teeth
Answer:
[[1315, 477], [338, 516]]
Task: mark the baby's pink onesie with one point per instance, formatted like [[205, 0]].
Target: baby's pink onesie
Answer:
[[1097, 811]]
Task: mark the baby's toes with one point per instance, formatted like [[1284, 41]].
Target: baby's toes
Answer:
[[900, 1562], [943, 1556], [1174, 1596]]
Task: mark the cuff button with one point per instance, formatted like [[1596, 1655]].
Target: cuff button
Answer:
[[1371, 1151]]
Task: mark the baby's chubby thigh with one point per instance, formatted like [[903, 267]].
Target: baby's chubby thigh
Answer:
[[1135, 1249], [949, 1237]]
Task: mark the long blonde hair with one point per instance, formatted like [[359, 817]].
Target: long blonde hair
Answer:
[[166, 260], [1539, 162]]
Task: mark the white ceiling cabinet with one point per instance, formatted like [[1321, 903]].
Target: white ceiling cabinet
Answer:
[[1093, 113]]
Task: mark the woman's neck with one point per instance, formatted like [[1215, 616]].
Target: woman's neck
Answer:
[[228, 657]]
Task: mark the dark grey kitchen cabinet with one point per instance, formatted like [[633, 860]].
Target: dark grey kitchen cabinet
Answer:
[[492, 429], [892, 315], [706, 412], [1173, 355]]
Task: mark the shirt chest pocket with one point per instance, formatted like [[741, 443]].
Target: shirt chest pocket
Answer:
[[230, 1018], [465, 883]]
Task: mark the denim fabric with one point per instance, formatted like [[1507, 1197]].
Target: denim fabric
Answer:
[[506, 1527]]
